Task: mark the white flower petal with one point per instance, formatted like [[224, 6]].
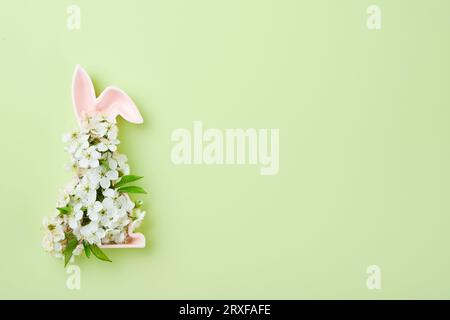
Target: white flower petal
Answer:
[[112, 148], [84, 163], [112, 175], [66, 137], [94, 163], [102, 147], [110, 193], [105, 183], [73, 223], [97, 206], [112, 164]]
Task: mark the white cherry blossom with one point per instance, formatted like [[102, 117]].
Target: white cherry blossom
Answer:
[[90, 207], [89, 158], [93, 210]]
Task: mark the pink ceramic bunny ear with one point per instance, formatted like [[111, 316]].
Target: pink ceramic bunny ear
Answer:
[[112, 101], [83, 94]]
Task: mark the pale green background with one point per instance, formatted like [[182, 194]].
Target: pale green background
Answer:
[[365, 145]]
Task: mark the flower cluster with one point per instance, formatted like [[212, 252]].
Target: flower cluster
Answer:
[[95, 208]]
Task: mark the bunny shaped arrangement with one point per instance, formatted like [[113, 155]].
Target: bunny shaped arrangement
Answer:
[[95, 210]]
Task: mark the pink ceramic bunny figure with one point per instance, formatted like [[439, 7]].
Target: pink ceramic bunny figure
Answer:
[[111, 102]]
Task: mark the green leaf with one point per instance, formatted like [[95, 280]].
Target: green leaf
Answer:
[[64, 210], [99, 253], [87, 250], [72, 243], [131, 189], [127, 179]]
